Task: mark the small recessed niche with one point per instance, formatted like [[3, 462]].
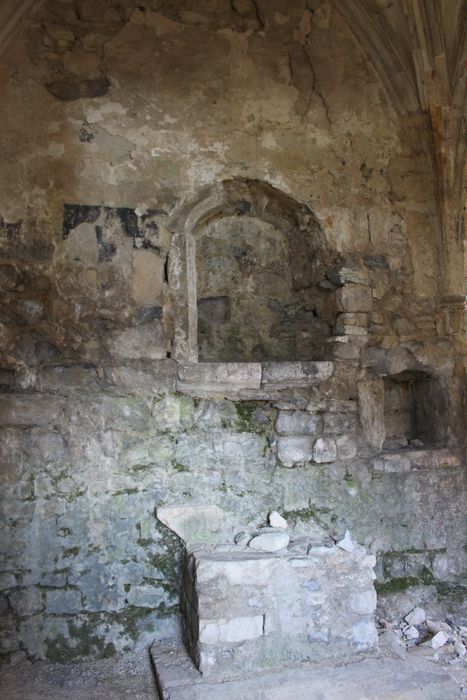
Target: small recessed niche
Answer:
[[415, 411]]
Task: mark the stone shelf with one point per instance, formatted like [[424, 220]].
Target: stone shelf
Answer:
[[407, 460], [255, 378]]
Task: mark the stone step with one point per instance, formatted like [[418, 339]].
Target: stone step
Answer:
[[370, 678]]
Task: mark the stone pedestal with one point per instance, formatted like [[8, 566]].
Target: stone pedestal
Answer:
[[245, 611]]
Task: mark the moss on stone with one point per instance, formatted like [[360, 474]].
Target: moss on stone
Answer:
[[396, 585], [168, 561], [71, 497], [125, 492], [81, 643], [245, 411], [246, 422], [129, 617], [178, 467], [454, 591], [310, 513]]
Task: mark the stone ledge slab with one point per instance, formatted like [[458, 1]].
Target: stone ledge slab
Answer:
[[295, 374], [221, 378], [384, 678], [404, 461], [218, 377]]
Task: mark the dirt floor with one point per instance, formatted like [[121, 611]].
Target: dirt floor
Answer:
[[131, 676], [110, 679]]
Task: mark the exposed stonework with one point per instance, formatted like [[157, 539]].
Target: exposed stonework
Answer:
[[223, 181]]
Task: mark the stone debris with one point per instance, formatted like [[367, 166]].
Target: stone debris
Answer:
[[276, 520], [410, 632], [346, 542], [242, 538], [439, 640], [436, 640], [435, 626], [271, 541], [416, 617]]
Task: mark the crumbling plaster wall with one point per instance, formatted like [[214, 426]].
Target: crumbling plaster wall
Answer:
[[116, 118]]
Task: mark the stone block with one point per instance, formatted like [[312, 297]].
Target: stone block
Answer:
[[246, 568], [293, 450], [31, 409], [371, 412], [396, 464], [269, 541], [7, 580], [146, 342], [198, 524], [346, 347], [295, 374], [217, 378], [63, 601], [59, 377], [155, 377], [338, 423], [350, 272], [364, 635], [240, 607], [352, 331], [239, 629], [26, 601], [172, 413], [354, 298], [392, 463], [297, 423], [346, 446], [352, 324], [123, 413], [352, 319], [146, 596], [324, 450], [363, 603]]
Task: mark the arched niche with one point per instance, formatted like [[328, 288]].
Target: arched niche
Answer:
[[247, 274]]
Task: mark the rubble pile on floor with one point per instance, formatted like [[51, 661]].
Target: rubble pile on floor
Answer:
[[437, 640]]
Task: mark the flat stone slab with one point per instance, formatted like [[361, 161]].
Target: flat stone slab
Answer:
[[258, 380], [366, 679], [407, 460], [296, 374], [214, 377]]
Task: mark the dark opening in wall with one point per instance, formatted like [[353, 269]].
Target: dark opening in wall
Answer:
[[415, 411], [260, 262]]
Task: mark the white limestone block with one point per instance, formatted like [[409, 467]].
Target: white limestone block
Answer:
[[239, 629], [292, 450], [416, 617], [346, 542], [410, 632], [276, 520], [439, 640], [324, 450], [270, 541], [363, 603]]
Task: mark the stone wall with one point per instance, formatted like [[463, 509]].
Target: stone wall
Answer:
[[87, 459], [129, 129]]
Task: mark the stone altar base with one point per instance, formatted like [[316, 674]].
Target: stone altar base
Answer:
[[245, 611], [376, 678]]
